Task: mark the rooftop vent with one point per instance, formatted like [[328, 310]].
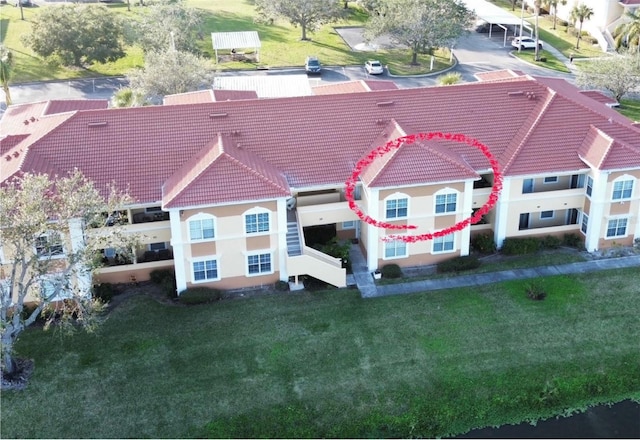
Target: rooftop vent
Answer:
[[7, 157], [531, 95], [218, 115], [25, 122], [32, 119], [16, 154], [384, 103], [97, 124]]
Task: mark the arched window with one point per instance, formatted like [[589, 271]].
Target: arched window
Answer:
[[396, 206], [202, 227], [257, 220], [446, 200]]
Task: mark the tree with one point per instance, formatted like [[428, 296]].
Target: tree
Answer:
[[553, 5], [77, 34], [422, 25], [128, 97], [42, 220], [170, 72], [537, 4], [308, 14], [6, 68], [628, 33], [166, 25], [580, 13], [618, 74]]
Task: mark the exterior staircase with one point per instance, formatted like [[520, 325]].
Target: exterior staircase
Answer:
[[293, 240]]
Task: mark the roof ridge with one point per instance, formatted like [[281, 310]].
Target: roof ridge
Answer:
[[393, 152], [544, 106], [255, 172]]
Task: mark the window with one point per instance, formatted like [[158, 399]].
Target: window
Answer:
[[395, 249], [443, 244], [622, 189], [551, 179], [397, 208], [617, 228], [205, 270], [446, 203], [351, 224], [259, 264], [53, 288], [589, 186], [157, 246], [254, 223], [585, 223], [546, 214], [153, 209], [527, 186], [49, 245], [202, 228]]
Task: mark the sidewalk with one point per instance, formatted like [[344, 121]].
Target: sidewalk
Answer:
[[368, 289]]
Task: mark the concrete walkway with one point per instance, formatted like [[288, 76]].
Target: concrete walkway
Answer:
[[368, 288]]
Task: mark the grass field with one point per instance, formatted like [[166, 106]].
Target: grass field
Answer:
[[281, 44], [330, 364], [551, 61], [630, 108]]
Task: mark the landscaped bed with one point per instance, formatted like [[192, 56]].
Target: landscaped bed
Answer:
[[330, 364]]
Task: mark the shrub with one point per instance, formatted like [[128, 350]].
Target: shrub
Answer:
[[459, 264], [391, 271], [282, 286], [535, 292], [551, 242], [543, 59], [199, 295], [520, 246], [157, 276], [166, 280], [572, 240], [561, 22], [483, 243], [104, 292]]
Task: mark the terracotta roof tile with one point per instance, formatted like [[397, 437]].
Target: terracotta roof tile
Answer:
[[600, 97], [196, 97], [498, 75], [316, 140], [354, 87], [222, 173]]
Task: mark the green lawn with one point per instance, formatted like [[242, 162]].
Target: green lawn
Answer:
[[630, 108], [330, 364], [281, 44], [551, 61]]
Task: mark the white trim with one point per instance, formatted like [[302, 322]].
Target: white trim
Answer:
[[622, 180], [256, 211], [281, 214], [178, 249], [544, 179], [395, 196], [199, 217], [617, 219], [585, 232], [373, 233], [596, 211], [467, 207], [445, 192], [258, 253], [444, 251], [204, 259], [395, 257], [502, 213]]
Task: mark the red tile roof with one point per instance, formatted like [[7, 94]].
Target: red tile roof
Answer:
[[211, 95], [498, 75], [600, 97], [222, 173], [354, 87], [532, 125]]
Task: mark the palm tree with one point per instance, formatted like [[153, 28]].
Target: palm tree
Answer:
[[6, 67], [629, 33], [537, 4], [553, 5], [580, 13], [127, 97]]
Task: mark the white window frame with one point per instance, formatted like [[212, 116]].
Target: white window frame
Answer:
[[446, 194], [396, 198], [257, 212], [553, 214], [199, 218], [54, 256], [589, 186], [259, 254], [584, 223], [153, 209], [349, 224], [163, 243], [618, 220], [444, 241], [396, 244], [550, 179], [622, 181], [205, 260]]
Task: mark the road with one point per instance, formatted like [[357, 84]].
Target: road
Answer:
[[475, 53]]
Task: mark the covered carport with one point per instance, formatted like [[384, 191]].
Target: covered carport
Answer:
[[236, 40], [494, 15]]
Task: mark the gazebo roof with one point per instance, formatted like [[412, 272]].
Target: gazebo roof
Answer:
[[234, 40]]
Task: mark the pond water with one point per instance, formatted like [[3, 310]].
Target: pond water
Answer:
[[621, 420]]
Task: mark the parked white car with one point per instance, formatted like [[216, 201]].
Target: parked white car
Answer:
[[525, 43], [374, 67]]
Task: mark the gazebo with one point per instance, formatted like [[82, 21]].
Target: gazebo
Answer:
[[236, 40]]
